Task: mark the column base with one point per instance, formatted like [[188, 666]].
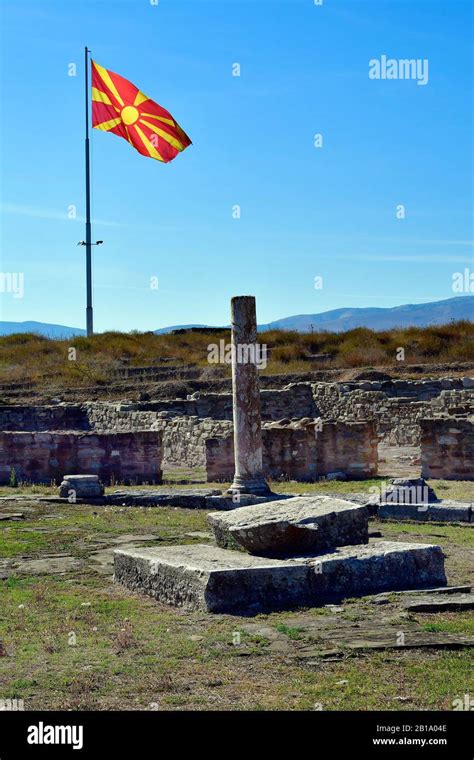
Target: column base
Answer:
[[257, 486]]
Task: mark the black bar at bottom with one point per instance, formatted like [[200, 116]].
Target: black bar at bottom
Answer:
[[130, 734]]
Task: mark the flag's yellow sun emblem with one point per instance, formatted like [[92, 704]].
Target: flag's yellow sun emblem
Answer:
[[129, 115]]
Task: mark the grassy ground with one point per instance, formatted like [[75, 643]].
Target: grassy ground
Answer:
[[461, 490], [46, 363], [75, 640]]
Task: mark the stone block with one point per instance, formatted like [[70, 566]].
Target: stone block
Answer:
[[438, 512], [292, 526], [372, 568], [212, 579], [408, 491], [84, 486]]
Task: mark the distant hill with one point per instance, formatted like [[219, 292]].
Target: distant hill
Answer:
[[417, 315], [43, 328], [342, 320], [164, 330], [336, 320]]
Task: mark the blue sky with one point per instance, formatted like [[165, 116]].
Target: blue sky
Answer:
[[306, 212]]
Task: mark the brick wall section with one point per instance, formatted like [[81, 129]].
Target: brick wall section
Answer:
[[349, 447], [296, 452], [447, 448], [114, 457]]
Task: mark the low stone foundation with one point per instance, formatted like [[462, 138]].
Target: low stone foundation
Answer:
[[114, 457], [301, 451], [212, 579], [447, 448]]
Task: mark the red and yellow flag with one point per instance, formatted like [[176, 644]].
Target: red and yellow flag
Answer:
[[120, 107]]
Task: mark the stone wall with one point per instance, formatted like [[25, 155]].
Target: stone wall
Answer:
[[396, 406], [447, 448], [48, 417], [293, 401], [302, 451], [184, 439], [454, 403], [114, 457], [348, 447]]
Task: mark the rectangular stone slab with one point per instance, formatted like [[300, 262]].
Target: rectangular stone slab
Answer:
[[372, 568], [443, 511], [292, 526], [209, 578], [203, 576]]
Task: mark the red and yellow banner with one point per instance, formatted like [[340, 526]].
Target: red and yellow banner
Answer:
[[121, 108]]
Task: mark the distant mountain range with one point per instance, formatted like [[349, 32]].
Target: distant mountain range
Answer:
[[336, 320], [43, 328], [417, 315]]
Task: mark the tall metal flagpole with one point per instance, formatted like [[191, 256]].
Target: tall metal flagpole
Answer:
[[89, 317]]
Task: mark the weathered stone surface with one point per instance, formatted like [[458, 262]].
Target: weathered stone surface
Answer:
[[466, 589], [193, 498], [213, 579], [304, 452], [396, 406], [382, 566], [442, 511], [186, 498], [218, 580], [82, 486], [48, 565], [12, 516], [447, 448], [114, 457], [330, 636], [408, 491], [248, 477], [450, 603], [396, 409], [292, 526]]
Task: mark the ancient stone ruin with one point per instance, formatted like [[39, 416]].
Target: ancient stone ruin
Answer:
[[269, 551], [304, 551], [309, 430], [301, 551], [248, 475]]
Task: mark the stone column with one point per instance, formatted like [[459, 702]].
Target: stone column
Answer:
[[248, 476]]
